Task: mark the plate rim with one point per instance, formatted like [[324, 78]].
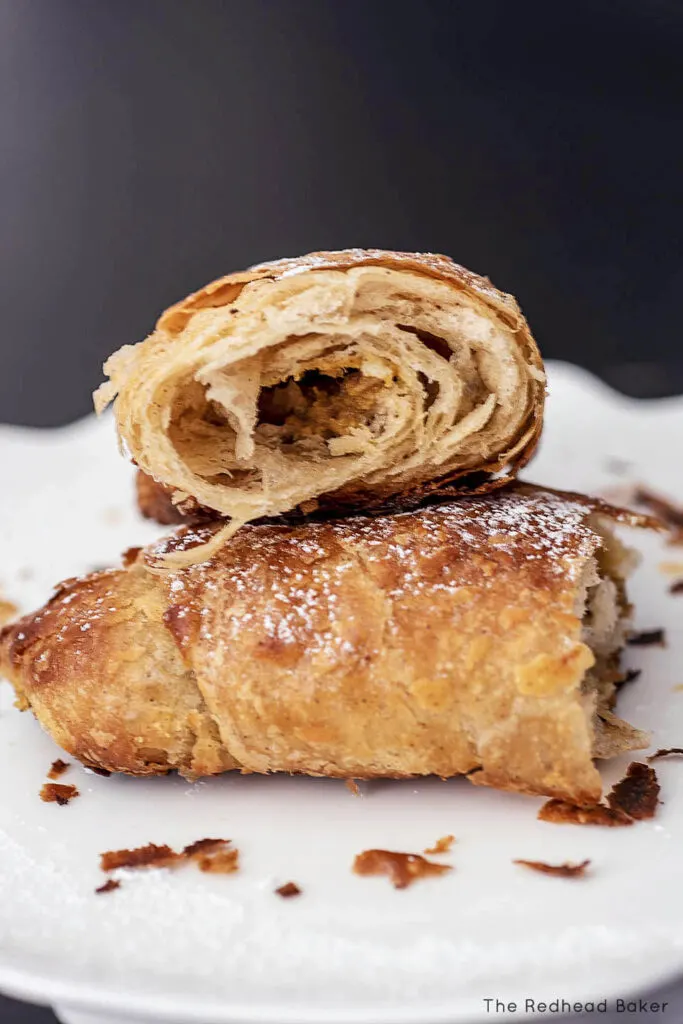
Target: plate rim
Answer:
[[91, 998]]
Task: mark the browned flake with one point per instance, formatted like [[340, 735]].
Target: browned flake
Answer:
[[401, 868], [150, 856], [288, 890], [212, 855], [205, 846], [222, 862], [647, 638], [442, 845], [54, 793], [638, 792], [630, 677], [669, 513], [562, 813], [57, 768], [353, 787], [634, 798], [666, 752], [560, 870], [109, 886]]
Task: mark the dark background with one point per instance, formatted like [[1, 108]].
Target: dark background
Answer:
[[147, 146]]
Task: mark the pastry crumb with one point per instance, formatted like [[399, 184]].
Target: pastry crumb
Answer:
[[203, 847], [150, 856], [666, 752], [629, 677], [210, 855], [108, 886], [442, 845], [647, 638], [54, 793], [57, 768], [637, 794], [560, 812], [288, 890], [402, 869], [634, 798], [353, 787], [213, 856], [221, 862], [559, 870], [670, 514]]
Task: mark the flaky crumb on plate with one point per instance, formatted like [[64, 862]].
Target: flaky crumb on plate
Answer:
[[559, 870], [402, 869]]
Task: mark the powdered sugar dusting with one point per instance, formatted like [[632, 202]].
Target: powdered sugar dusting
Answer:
[[287, 585]]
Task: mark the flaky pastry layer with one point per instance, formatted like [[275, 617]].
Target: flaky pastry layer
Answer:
[[336, 378]]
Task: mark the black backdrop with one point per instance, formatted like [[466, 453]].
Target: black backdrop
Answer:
[[149, 145]]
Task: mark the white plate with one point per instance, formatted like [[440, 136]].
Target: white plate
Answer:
[[191, 947]]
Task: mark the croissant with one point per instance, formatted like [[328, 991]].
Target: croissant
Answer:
[[336, 379], [477, 637]]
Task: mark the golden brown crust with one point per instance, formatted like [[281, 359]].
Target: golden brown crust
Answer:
[[444, 641], [98, 639], [669, 513], [224, 290]]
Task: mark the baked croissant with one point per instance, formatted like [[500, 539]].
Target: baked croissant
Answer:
[[479, 637], [339, 378]]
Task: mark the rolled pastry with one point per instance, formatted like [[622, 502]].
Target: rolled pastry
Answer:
[[479, 637], [339, 378]]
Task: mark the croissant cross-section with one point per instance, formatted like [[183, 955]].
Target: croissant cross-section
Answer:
[[337, 378]]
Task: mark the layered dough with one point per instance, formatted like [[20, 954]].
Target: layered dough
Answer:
[[338, 379], [479, 637]]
